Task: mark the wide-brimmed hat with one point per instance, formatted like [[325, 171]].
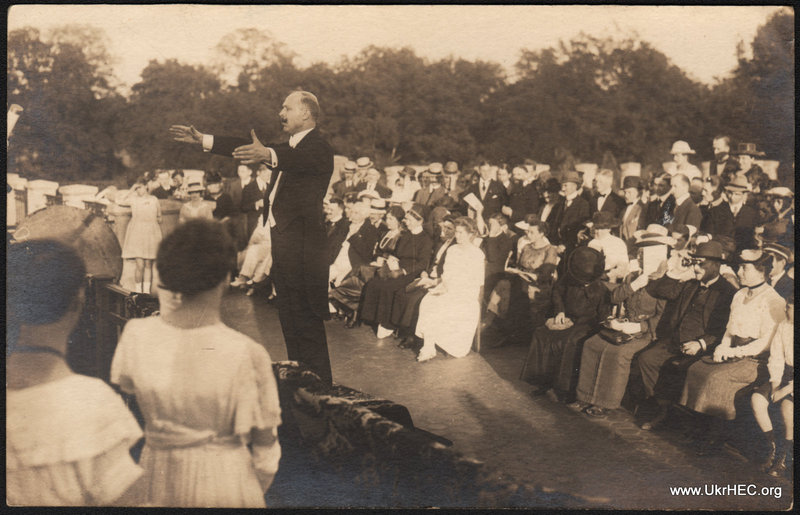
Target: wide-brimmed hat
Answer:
[[350, 166], [603, 220], [572, 176], [632, 181], [780, 191], [195, 187], [780, 251], [585, 264], [396, 211], [755, 256], [363, 162], [681, 147], [738, 183], [710, 250], [748, 149], [552, 185], [654, 234]]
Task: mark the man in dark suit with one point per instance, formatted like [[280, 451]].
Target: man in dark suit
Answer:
[[347, 184], [432, 194], [698, 320], [490, 192], [745, 217], [523, 198], [717, 216], [632, 216], [551, 210], [372, 183], [661, 206], [605, 200], [293, 209], [357, 245], [724, 165], [165, 188], [576, 211], [686, 211], [253, 197], [336, 226]]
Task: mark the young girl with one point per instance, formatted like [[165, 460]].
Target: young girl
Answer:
[[68, 436], [143, 233], [205, 390], [197, 207]]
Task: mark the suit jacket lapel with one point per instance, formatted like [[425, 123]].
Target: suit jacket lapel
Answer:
[[686, 301]]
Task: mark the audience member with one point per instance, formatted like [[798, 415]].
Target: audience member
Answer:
[[196, 207], [661, 205], [575, 214], [206, 390], [745, 217], [633, 215], [604, 199], [717, 215], [552, 210], [686, 211], [142, 235], [680, 155]]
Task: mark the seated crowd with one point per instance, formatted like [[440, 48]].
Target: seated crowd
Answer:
[[682, 286]]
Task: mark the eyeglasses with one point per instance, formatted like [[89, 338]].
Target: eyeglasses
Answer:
[[690, 261]]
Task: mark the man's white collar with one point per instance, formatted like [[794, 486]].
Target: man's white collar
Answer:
[[294, 139]]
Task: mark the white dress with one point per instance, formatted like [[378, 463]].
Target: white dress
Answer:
[[68, 444], [449, 320], [143, 233], [201, 392]]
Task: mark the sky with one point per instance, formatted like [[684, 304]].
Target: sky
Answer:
[[701, 40]]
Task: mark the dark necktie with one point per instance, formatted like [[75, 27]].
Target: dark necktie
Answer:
[[267, 193]]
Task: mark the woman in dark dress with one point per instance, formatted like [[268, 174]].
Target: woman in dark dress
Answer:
[[409, 259], [581, 302], [347, 295]]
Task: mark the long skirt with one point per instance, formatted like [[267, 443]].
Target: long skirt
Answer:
[[554, 357], [348, 293], [376, 306], [711, 388], [605, 369], [405, 308], [449, 321]]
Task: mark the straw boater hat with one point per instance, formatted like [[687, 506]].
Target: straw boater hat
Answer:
[[416, 211], [748, 149], [681, 147], [364, 162], [377, 206], [195, 187], [350, 166], [435, 169], [780, 251], [738, 183], [370, 194], [585, 264], [654, 234], [780, 191], [451, 167]]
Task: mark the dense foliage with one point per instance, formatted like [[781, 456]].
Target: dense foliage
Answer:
[[587, 99]]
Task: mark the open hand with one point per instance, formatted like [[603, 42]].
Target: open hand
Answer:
[[186, 134], [252, 153]]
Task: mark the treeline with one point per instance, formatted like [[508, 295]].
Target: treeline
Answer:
[[589, 99]]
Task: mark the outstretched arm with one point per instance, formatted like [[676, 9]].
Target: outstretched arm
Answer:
[[186, 134]]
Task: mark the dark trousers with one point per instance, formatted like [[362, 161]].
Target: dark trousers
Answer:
[[294, 272], [663, 367]]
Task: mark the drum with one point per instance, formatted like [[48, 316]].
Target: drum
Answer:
[[81, 229]]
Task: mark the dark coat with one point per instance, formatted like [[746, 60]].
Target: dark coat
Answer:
[[687, 214], [726, 170], [414, 252], [362, 244], [715, 312], [572, 220], [336, 233], [496, 197], [553, 220], [523, 200], [659, 212], [633, 222], [340, 189], [224, 207], [717, 220], [161, 193], [614, 204], [744, 226], [250, 195]]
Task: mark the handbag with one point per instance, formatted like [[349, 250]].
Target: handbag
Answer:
[[614, 336]]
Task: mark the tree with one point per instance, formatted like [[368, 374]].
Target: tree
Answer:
[[242, 54]]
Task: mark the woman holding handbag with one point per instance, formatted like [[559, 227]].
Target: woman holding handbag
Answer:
[[607, 356]]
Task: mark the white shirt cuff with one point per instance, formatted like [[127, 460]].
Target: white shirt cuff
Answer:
[[208, 142], [273, 157], [702, 343]]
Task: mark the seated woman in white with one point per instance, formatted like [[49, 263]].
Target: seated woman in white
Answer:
[[68, 436], [206, 391], [448, 315]]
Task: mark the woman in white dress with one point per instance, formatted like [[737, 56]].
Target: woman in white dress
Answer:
[[68, 436], [448, 315], [206, 391], [143, 233], [197, 207]]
